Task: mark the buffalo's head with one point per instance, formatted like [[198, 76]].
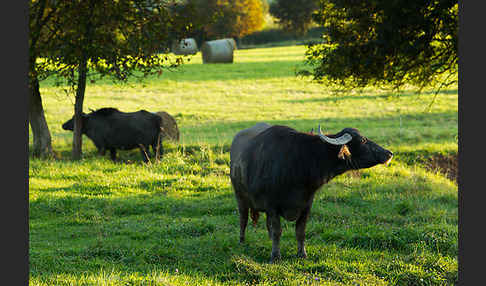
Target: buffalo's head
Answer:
[[356, 150], [69, 125]]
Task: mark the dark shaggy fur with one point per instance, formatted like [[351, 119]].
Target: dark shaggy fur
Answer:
[[280, 170]]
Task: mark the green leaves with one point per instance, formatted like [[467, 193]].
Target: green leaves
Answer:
[[116, 37], [386, 44]]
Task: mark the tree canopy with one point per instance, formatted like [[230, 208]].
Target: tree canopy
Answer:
[[386, 43], [118, 38]]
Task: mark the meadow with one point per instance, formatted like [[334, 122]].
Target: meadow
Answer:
[[175, 221]]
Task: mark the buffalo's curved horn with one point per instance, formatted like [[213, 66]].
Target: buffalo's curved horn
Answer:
[[341, 140]]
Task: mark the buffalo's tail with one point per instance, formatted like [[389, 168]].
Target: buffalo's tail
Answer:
[[254, 215]]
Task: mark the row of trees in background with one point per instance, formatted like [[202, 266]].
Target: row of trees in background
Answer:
[[225, 19], [238, 18]]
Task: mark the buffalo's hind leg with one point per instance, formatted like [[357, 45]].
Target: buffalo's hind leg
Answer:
[[158, 149], [269, 226], [243, 209], [276, 231], [101, 150]]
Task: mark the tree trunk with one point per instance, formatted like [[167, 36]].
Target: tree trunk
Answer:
[[78, 110], [38, 123]]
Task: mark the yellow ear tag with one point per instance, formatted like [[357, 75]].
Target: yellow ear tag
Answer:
[[344, 152]]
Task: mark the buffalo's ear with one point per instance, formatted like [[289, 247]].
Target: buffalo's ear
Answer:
[[344, 152]]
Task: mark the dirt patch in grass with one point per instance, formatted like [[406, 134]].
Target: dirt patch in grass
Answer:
[[446, 164]]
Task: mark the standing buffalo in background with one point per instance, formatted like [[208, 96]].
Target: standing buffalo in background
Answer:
[[111, 129], [278, 171]]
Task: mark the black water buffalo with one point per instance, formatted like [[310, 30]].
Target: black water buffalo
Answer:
[[111, 129], [279, 170]]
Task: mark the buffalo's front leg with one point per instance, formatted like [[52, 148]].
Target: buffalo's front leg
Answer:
[[300, 232], [113, 154], [158, 149], [101, 151], [276, 232], [145, 153]]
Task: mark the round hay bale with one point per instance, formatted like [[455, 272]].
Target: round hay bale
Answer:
[[232, 42], [169, 126], [217, 51], [184, 47]]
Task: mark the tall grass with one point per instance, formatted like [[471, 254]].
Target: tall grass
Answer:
[[175, 222]]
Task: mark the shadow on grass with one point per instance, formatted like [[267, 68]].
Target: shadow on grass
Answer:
[[90, 152], [214, 72], [364, 96], [234, 71], [430, 127], [74, 188]]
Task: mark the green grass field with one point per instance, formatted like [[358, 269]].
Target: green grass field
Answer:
[[175, 222]]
